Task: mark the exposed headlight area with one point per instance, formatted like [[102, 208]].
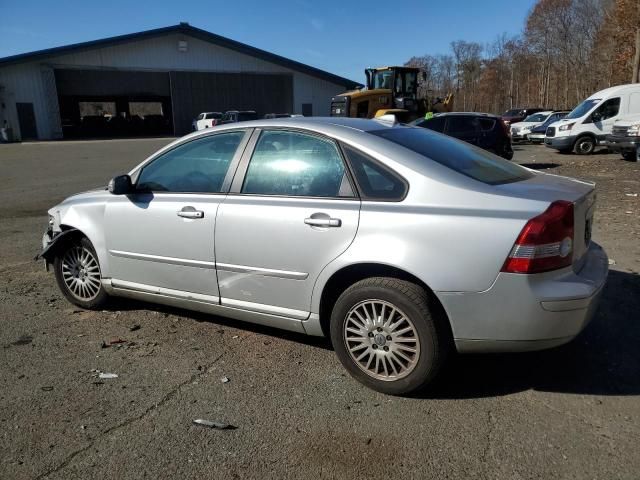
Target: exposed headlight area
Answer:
[[567, 127], [634, 130]]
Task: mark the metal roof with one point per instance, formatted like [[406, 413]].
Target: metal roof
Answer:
[[186, 29]]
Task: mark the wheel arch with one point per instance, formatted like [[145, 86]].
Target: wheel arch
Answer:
[[346, 276]]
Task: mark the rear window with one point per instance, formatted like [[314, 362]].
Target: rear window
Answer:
[[459, 156], [213, 115]]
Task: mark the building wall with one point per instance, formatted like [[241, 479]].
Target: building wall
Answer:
[[24, 82]]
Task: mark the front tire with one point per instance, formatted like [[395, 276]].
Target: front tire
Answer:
[[78, 274], [631, 155], [388, 335], [584, 145]]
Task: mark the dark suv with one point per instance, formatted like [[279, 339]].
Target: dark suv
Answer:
[[485, 131], [518, 114]]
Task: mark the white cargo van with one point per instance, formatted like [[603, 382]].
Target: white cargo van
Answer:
[[590, 122]]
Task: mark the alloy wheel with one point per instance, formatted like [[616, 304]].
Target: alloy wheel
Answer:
[[81, 273], [381, 340]]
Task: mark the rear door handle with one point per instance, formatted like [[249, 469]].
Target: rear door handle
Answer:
[[323, 222], [190, 212]]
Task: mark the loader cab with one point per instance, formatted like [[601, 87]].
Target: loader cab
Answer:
[[402, 81]]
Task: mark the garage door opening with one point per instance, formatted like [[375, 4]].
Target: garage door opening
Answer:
[[114, 104]]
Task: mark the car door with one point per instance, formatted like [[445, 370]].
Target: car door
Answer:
[[292, 209], [162, 235], [604, 117], [464, 127]]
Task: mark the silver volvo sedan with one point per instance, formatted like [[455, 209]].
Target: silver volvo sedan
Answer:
[[400, 243]]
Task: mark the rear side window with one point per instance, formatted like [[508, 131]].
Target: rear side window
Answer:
[[487, 124], [461, 124], [212, 115], [296, 164], [375, 181], [456, 155]]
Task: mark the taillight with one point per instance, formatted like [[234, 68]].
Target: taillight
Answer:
[[545, 243], [505, 128]]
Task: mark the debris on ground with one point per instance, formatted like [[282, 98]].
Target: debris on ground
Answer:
[[216, 425], [631, 194], [135, 327], [612, 261], [23, 340], [225, 379], [107, 375], [46, 389], [235, 336]]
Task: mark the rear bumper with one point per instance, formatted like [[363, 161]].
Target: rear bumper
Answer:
[[622, 144], [560, 143], [528, 312]]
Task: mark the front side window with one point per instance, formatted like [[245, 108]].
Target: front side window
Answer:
[[296, 164], [608, 109], [198, 166]]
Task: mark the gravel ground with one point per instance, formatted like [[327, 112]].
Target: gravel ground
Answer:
[[571, 412]]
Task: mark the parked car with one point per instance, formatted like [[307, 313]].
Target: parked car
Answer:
[[206, 120], [234, 116], [398, 242], [590, 122], [520, 130], [537, 133], [625, 137], [483, 130], [518, 114]]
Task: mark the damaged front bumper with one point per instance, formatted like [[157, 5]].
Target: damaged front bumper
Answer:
[[50, 242]]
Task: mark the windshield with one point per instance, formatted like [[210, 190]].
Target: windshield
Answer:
[[382, 79], [584, 108], [536, 117], [459, 156], [512, 113]]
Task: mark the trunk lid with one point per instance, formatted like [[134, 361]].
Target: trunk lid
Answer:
[[549, 188]]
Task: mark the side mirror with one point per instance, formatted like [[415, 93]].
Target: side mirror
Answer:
[[120, 185]]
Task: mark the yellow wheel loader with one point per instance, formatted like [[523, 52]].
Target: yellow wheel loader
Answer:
[[389, 90]]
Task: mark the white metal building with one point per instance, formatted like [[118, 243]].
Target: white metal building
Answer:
[[152, 82]]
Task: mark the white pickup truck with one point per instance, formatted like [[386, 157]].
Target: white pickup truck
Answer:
[[206, 120], [625, 137]]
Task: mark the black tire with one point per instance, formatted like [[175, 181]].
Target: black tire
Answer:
[[92, 301], [584, 145], [631, 155], [414, 303]]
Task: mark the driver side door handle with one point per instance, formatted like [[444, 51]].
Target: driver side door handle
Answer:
[[190, 212]]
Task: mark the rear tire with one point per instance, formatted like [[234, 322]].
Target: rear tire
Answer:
[[388, 334], [631, 156], [584, 145], [78, 274]]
